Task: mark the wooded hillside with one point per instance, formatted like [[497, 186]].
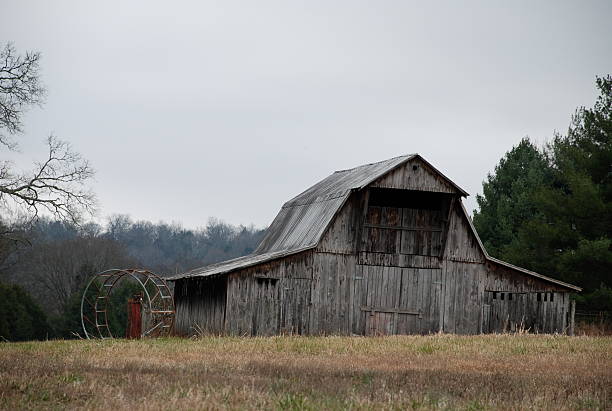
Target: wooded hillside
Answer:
[[53, 260]]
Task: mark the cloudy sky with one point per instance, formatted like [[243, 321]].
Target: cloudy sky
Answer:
[[190, 110]]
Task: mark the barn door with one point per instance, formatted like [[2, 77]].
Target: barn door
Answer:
[[266, 307], [295, 313], [420, 301], [380, 301], [401, 300]]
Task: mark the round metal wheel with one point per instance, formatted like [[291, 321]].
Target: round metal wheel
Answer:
[[156, 302]]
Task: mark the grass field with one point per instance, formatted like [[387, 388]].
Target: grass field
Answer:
[[407, 372]]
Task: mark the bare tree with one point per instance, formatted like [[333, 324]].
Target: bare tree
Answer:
[[55, 271], [56, 185], [20, 88]]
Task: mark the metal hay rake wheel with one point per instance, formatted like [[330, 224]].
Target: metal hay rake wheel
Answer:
[[157, 315]]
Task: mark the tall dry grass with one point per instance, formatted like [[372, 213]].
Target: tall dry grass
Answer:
[[593, 329], [401, 372]]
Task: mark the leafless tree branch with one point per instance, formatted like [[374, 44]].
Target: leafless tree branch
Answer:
[[20, 87], [56, 185]]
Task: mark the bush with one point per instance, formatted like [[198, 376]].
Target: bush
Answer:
[[21, 319], [598, 300]]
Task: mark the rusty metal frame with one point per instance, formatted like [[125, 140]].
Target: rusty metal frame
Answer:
[[158, 303]]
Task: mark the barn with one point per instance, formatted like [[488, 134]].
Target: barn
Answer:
[[383, 248]]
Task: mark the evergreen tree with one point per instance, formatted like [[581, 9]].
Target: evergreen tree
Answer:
[[507, 199], [577, 206], [21, 319], [550, 210]]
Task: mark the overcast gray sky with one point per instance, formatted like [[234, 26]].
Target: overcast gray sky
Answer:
[[191, 110]]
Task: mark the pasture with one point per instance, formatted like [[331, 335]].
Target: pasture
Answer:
[[400, 372]]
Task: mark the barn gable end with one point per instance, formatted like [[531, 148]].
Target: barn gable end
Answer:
[[417, 174]]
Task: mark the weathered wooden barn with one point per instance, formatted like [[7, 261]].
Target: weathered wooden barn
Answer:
[[384, 248]]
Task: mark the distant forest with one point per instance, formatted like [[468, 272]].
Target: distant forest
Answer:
[[53, 260]]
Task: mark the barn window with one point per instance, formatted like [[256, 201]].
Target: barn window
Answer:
[[502, 296], [266, 280], [552, 295], [494, 295], [539, 296], [510, 296]]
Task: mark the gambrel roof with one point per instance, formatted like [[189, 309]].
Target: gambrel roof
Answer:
[[303, 220]]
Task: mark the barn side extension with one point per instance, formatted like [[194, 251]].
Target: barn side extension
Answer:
[[384, 248]]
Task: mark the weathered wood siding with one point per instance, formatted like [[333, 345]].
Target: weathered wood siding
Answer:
[[461, 244], [396, 300], [200, 305], [415, 175], [469, 282], [333, 276], [512, 301], [342, 234], [402, 237], [271, 298], [470, 306], [541, 311]]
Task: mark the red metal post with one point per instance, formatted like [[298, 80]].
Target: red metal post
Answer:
[[134, 325]]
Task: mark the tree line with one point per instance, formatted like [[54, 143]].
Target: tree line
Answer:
[[53, 260]]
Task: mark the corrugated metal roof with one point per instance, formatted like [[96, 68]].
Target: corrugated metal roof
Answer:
[[300, 226], [342, 182]]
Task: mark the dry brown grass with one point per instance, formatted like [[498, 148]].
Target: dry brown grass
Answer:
[[593, 328], [404, 372]]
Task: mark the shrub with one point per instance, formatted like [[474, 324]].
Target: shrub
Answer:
[[21, 319]]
